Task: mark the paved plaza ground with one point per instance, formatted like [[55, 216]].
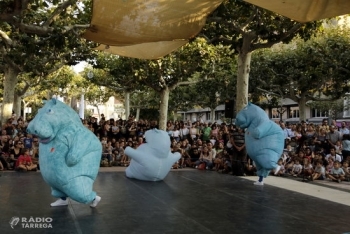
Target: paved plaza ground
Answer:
[[187, 201]]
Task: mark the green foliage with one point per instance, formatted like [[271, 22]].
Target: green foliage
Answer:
[[235, 19], [317, 68]]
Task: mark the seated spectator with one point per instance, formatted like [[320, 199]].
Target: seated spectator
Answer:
[[336, 174], [107, 150], [346, 169], [307, 170], [280, 170], [206, 157], [330, 164], [319, 172], [194, 155], [15, 152], [297, 168], [332, 154], [250, 167], [24, 162]]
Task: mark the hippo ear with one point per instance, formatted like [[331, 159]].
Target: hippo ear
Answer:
[[54, 100]]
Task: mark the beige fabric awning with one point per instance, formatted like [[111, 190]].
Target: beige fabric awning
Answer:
[[305, 10], [149, 50], [147, 29]]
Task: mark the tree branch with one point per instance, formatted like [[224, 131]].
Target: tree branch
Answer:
[[291, 31], [6, 38], [58, 11]]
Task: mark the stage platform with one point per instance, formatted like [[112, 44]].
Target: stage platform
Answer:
[[187, 201]]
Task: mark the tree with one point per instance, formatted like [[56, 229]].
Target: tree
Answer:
[[39, 37], [315, 70], [165, 74], [247, 28]]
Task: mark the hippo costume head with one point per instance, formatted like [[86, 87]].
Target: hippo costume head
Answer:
[[151, 161], [51, 118], [70, 153]]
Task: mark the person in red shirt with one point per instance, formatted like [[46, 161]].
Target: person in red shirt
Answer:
[[24, 162]]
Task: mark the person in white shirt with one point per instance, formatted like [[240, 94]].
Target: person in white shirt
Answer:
[[333, 155]]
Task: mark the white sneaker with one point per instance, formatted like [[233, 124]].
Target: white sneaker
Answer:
[[96, 201], [277, 169], [196, 167], [258, 183], [60, 202]]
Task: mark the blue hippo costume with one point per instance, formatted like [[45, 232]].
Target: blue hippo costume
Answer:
[[264, 139], [70, 153], [152, 160]]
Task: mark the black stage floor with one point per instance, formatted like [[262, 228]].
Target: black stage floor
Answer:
[[185, 202]]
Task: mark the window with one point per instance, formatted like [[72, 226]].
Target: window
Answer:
[[207, 115], [318, 113], [294, 112], [275, 113]]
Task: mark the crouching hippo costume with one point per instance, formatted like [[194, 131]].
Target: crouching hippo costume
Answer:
[[152, 160], [264, 139], [70, 153]]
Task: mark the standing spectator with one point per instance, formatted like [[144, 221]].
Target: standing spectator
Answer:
[[176, 134], [343, 129], [194, 132], [184, 132], [206, 131], [346, 146], [333, 136]]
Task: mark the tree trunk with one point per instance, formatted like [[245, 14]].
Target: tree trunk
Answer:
[[163, 108], [302, 106], [243, 70], [17, 105], [137, 114], [212, 115], [127, 104], [10, 81]]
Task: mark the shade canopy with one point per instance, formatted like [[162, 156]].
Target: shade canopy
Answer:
[[147, 29], [305, 10]]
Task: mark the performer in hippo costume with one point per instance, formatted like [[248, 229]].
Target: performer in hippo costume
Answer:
[[264, 139], [152, 160], [70, 153]]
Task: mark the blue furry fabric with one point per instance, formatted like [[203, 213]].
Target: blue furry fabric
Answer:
[[264, 139], [69, 153], [151, 161]]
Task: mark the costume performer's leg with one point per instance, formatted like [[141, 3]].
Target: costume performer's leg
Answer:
[[80, 189], [57, 193]]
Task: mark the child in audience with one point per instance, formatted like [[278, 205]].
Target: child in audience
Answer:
[[297, 168], [346, 169], [280, 170], [24, 161], [307, 169], [336, 174], [319, 172]]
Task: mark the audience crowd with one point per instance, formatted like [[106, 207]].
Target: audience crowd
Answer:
[[312, 151]]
